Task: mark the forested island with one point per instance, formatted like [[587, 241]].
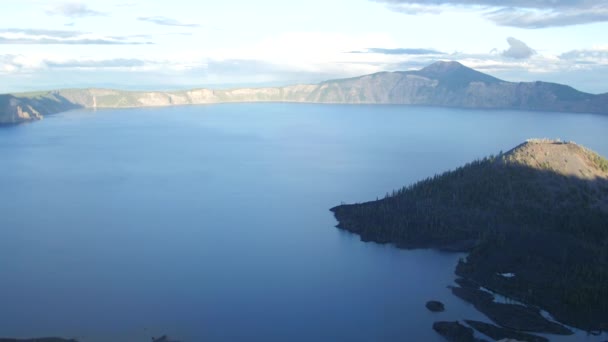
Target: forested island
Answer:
[[444, 83], [534, 221]]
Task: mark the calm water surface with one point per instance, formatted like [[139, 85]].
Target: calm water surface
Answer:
[[211, 223]]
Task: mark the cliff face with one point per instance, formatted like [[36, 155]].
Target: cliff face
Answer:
[[17, 109], [14, 110], [447, 84]]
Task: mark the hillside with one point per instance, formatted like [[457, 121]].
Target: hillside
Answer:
[[449, 84], [538, 212], [14, 110]]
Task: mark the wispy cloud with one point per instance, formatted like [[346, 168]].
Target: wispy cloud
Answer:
[[518, 49], [21, 63], [73, 10], [160, 20], [64, 37], [40, 32], [531, 14], [524, 18], [21, 41], [401, 51], [94, 64], [587, 56]]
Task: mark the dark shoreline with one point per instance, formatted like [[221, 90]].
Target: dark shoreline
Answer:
[[461, 270]]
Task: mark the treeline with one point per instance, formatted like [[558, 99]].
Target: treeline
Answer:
[[549, 229]]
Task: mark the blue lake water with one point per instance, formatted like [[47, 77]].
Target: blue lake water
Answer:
[[212, 223]]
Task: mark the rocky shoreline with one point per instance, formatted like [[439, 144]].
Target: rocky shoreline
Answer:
[[511, 316]]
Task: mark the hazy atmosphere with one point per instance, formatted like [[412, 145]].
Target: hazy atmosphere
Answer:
[[136, 44], [336, 170]]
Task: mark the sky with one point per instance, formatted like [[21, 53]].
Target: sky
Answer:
[[179, 44]]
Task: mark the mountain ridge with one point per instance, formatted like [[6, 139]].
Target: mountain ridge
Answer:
[[445, 84]]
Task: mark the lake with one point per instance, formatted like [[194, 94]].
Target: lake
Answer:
[[212, 223]]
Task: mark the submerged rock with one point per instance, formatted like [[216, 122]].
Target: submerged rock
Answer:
[[163, 338], [435, 306]]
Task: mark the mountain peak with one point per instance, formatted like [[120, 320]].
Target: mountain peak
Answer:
[[443, 66], [561, 157], [454, 75]]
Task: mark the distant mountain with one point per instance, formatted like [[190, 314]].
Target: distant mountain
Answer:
[[451, 84], [448, 84], [534, 219]]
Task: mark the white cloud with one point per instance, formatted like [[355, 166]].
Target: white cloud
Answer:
[[72, 10], [19, 63], [518, 49], [40, 62], [530, 14], [534, 19], [160, 20], [63, 37], [594, 56]]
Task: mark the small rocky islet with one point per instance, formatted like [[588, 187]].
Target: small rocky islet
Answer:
[[435, 306], [534, 222]]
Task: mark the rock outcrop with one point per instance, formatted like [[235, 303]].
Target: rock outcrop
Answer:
[[14, 110]]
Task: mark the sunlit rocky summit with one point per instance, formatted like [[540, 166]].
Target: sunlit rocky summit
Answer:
[[534, 221], [448, 84]]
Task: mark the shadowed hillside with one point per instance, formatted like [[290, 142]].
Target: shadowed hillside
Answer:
[[448, 84], [34, 106], [539, 212]]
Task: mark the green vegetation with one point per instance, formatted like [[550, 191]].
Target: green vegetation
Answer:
[[600, 162], [33, 94], [548, 228]]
